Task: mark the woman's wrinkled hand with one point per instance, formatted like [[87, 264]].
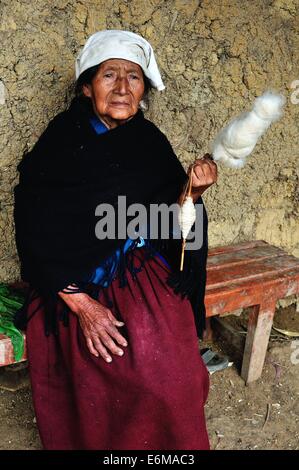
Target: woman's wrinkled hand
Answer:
[[98, 324], [204, 175]]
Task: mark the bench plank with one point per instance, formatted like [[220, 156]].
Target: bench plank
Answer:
[[6, 352], [249, 271], [236, 247], [243, 256]]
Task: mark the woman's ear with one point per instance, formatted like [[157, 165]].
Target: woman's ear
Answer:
[[86, 88], [143, 105], [144, 102]]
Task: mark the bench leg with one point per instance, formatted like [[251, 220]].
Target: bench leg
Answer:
[[257, 338]]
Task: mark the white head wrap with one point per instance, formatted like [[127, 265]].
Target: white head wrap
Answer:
[[118, 44]]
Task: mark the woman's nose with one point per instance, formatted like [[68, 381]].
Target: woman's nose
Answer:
[[122, 85]]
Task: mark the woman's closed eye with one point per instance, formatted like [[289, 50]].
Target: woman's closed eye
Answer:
[[134, 77]]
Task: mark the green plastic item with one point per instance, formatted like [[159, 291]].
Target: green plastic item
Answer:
[[10, 302]]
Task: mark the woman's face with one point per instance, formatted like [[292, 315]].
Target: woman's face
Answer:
[[116, 91]]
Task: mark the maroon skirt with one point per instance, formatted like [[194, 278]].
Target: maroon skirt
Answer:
[[152, 398]]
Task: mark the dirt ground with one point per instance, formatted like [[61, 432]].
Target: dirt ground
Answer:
[[264, 415]]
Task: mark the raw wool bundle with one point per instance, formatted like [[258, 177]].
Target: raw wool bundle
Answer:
[[237, 140], [232, 145], [187, 216]]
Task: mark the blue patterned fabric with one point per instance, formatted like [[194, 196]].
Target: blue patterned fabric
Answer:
[[104, 274]]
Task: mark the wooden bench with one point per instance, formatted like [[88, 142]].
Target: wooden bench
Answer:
[[251, 274], [6, 351]]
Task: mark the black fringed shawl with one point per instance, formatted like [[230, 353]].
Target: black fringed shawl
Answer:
[[69, 172]]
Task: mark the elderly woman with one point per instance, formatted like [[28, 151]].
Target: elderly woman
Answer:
[[111, 322]]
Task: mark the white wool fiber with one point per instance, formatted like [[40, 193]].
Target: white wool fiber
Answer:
[[237, 140], [186, 216]]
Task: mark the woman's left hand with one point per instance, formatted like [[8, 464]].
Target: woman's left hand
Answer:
[[204, 175]]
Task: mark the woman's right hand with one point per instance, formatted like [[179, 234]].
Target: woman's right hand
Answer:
[[98, 324]]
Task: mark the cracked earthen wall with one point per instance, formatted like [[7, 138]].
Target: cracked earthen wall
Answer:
[[215, 56]]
